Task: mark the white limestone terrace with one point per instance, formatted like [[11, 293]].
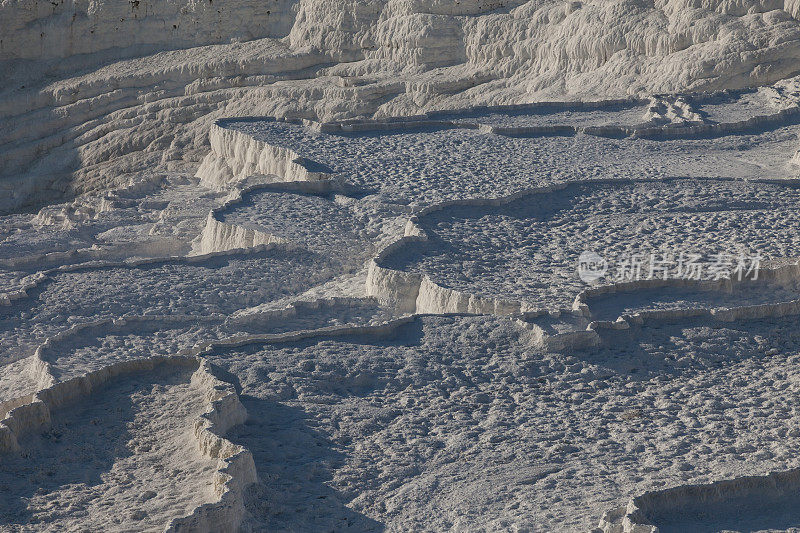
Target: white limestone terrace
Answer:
[[311, 314], [92, 345], [155, 216], [723, 108], [730, 106], [201, 287], [331, 225], [754, 503], [101, 442], [424, 161], [457, 423], [364, 415], [95, 92], [526, 249], [750, 293]]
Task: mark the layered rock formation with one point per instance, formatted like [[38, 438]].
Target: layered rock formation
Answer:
[[77, 116]]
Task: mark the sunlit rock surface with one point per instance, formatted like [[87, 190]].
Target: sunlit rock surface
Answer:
[[306, 265]]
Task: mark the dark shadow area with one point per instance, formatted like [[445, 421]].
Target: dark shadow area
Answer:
[[717, 98], [746, 293], [313, 166], [294, 463], [50, 461], [81, 446], [743, 514]]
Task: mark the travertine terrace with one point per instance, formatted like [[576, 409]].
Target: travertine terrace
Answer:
[[306, 265]]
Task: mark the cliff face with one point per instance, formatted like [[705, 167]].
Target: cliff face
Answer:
[[37, 29], [669, 45], [95, 92]]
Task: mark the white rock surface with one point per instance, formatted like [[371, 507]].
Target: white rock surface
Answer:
[[77, 116], [136, 466], [304, 265]]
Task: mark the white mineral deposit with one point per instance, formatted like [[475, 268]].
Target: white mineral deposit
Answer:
[[400, 265]]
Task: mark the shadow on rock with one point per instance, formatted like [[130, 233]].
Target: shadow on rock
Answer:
[[294, 463]]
